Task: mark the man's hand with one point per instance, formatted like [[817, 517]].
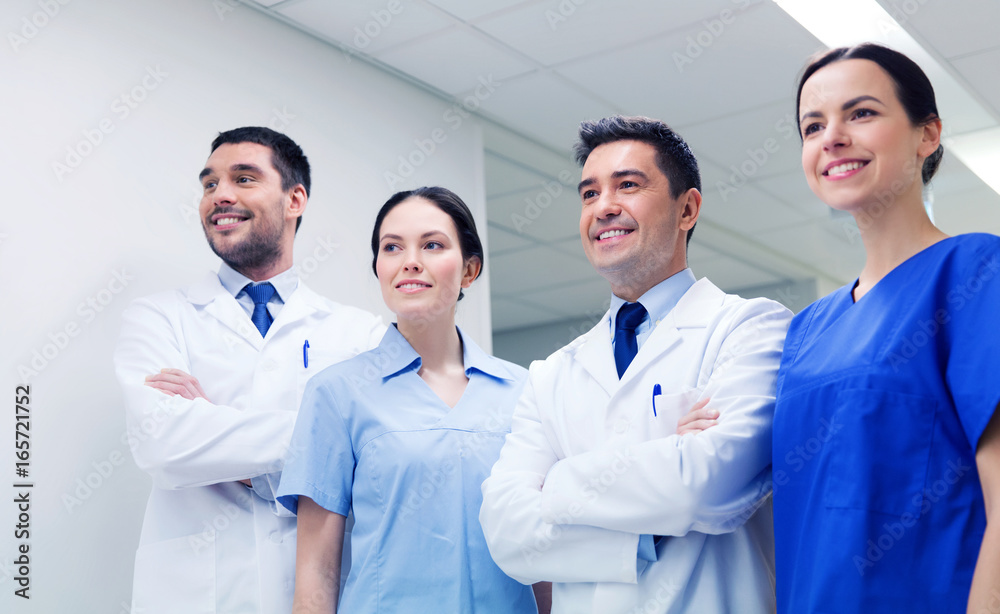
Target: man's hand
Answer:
[[698, 419], [176, 382]]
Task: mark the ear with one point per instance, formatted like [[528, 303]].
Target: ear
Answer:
[[297, 200], [930, 138], [690, 202], [471, 271]]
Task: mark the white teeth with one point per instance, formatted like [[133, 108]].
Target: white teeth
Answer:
[[612, 233], [843, 168], [226, 220], [412, 286]]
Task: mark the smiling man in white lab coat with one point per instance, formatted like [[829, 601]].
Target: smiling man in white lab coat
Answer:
[[595, 490], [213, 375]]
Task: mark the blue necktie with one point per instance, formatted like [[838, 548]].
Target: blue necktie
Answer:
[[261, 294], [629, 317]]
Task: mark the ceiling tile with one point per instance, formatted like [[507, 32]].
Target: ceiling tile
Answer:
[[588, 299], [975, 210], [792, 189], [743, 207], [953, 176], [750, 144], [557, 164], [536, 213], [676, 78], [501, 240], [509, 314], [727, 87], [953, 28], [468, 10], [555, 31], [698, 250], [546, 107], [506, 176], [731, 274], [366, 26], [982, 73], [571, 246], [832, 246], [473, 62], [535, 268]]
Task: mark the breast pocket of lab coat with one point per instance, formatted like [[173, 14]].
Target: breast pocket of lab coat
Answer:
[[644, 415], [175, 575]]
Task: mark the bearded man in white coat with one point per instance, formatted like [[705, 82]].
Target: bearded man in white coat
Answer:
[[598, 487], [212, 377]]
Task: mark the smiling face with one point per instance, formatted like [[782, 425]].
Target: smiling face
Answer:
[[248, 219], [420, 266], [633, 231], [860, 148]]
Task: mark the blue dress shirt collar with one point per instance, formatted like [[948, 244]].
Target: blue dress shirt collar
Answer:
[[284, 283], [658, 301]]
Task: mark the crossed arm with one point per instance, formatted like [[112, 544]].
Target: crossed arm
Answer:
[[174, 382], [553, 518], [176, 434]]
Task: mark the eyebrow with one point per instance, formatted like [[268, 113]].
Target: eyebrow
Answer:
[[847, 105], [627, 172], [253, 168], [429, 233]]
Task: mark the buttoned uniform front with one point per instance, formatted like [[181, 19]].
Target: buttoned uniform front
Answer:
[[379, 441], [588, 468], [209, 543]]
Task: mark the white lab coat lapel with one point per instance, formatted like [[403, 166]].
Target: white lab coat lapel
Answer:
[[691, 311], [300, 304], [596, 356], [218, 303], [663, 338]]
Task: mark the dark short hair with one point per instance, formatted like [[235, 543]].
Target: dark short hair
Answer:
[[912, 86], [673, 156], [286, 155], [450, 203]]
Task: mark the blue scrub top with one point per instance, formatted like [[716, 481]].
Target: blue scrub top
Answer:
[[372, 436], [880, 405]]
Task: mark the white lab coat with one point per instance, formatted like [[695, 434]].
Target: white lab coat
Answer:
[[210, 544], [587, 467]]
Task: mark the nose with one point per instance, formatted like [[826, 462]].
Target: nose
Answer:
[[412, 263], [606, 206], [224, 193], [835, 135]]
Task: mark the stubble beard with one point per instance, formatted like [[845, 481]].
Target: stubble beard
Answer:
[[259, 249]]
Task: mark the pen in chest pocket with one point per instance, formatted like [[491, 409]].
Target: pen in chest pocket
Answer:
[[656, 393], [305, 355]]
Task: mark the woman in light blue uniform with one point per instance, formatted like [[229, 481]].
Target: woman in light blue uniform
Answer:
[[885, 435], [404, 435]]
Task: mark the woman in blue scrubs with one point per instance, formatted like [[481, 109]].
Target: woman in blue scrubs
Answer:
[[404, 436], [886, 448]]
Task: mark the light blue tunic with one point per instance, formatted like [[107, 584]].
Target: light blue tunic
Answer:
[[372, 436], [881, 403]]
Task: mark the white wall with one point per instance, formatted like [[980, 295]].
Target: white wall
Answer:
[[125, 207]]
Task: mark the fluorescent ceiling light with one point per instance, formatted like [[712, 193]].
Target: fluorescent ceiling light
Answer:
[[970, 131]]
